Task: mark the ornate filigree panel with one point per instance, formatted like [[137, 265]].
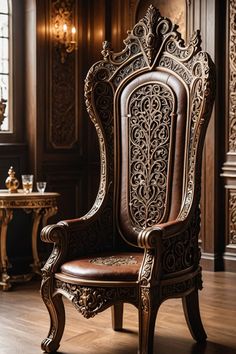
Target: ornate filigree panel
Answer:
[[232, 76], [232, 217], [62, 128], [151, 107]]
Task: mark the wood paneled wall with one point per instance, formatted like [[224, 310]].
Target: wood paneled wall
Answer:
[[229, 165], [60, 142], [209, 17]]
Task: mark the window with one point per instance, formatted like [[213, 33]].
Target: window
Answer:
[[5, 124]]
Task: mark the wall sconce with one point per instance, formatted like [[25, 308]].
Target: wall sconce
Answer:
[[64, 33]]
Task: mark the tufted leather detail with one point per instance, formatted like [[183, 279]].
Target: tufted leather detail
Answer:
[[104, 267]]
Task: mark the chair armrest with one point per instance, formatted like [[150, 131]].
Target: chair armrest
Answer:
[[150, 237], [66, 236], [58, 235]]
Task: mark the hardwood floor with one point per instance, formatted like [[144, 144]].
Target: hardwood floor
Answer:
[[24, 323]]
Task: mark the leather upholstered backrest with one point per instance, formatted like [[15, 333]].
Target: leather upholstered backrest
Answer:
[[153, 109]]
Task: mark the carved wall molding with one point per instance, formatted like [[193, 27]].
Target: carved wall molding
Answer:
[[232, 217], [232, 76], [63, 120], [229, 165]]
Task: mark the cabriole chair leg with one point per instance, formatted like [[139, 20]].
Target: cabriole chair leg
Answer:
[[56, 311], [193, 317]]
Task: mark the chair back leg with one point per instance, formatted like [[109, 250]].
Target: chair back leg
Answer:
[[192, 316], [117, 316]]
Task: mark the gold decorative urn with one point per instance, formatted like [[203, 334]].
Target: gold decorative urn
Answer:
[[12, 182]]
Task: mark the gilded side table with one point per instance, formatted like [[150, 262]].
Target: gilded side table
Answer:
[[42, 206]]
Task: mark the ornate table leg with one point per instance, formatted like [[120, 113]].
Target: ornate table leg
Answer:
[[48, 212], [39, 214], [5, 217], [36, 266]]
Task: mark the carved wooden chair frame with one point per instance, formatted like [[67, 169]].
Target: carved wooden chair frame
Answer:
[[169, 263]]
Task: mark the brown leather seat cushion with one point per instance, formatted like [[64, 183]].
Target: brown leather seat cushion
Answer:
[[110, 266]]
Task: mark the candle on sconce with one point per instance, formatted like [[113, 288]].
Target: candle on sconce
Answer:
[[73, 32], [66, 37], [65, 28], [65, 31]]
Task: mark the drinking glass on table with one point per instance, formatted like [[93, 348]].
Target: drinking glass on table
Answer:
[[27, 183], [41, 186]]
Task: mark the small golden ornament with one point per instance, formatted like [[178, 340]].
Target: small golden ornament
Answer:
[[12, 182]]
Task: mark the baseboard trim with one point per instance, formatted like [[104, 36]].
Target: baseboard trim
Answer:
[[230, 262], [212, 262]]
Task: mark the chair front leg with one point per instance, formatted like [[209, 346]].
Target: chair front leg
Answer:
[[56, 312], [147, 317]]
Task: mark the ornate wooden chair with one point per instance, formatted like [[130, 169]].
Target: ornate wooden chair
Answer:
[[150, 105]]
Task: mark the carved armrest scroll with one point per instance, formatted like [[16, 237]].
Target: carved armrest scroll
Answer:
[[58, 235], [149, 237]]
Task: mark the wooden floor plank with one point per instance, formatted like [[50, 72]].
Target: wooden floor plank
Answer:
[[24, 322]]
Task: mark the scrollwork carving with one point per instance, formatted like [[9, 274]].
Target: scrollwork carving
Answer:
[[114, 261], [45, 289], [91, 300], [28, 203], [147, 267], [151, 108], [157, 33], [47, 268], [145, 32], [200, 107], [182, 251], [89, 84], [179, 68], [181, 287], [145, 299], [232, 217], [126, 70]]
